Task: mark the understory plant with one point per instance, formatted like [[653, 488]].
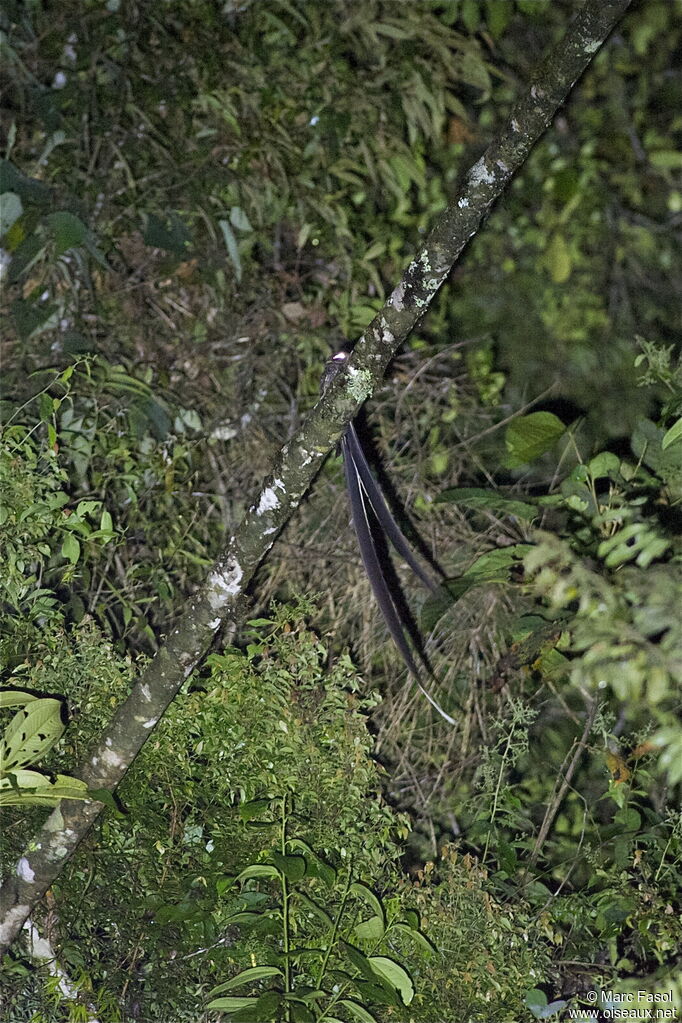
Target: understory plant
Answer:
[[332, 939]]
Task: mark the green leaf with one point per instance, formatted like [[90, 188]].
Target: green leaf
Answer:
[[478, 497], [239, 219], [394, 974], [416, 935], [358, 1011], [246, 977], [10, 211], [21, 787], [172, 235], [370, 930], [558, 259], [105, 796], [535, 1000], [31, 733], [71, 548], [491, 567], [232, 248], [315, 865], [231, 1003], [318, 911], [15, 698], [300, 1013], [604, 465], [245, 918], [530, 436], [666, 159], [293, 867], [411, 919], [673, 434], [254, 808], [69, 230], [31, 318], [258, 870], [368, 896], [358, 959]]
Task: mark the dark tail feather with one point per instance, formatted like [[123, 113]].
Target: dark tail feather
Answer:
[[359, 500], [381, 510]]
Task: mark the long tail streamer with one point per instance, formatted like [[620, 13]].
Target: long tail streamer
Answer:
[[365, 497]]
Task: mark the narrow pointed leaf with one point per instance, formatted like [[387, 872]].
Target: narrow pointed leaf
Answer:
[[358, 1011], [231, 1003], [365, 893], [246, 977]]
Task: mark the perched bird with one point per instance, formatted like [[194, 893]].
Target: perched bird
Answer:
[[370, 512]]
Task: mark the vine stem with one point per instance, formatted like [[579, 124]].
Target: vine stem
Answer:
[[285, 911], [335, 928]]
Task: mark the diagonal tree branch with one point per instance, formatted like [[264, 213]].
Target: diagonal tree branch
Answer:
[[299, 461]]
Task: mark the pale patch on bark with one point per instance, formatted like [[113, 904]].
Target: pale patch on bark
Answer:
[[480, 175], [268, 501], [25, 871]]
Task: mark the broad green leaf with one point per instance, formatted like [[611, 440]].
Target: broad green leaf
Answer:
[[20, 787], [31, 733], [358, 1011], [15, 698], [29, 190], [254, 808], [245, 918], [71, 548], [69, 230], [673, 434], [105, 796], [31, 318], [370, 930], [478, 497], [666, 159], [530, 436], [535, 999], [171, 235], [223, 884], [300, 1013], [315, 865], [394, 974], [246, 977], [605, 464], [293, 867]]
